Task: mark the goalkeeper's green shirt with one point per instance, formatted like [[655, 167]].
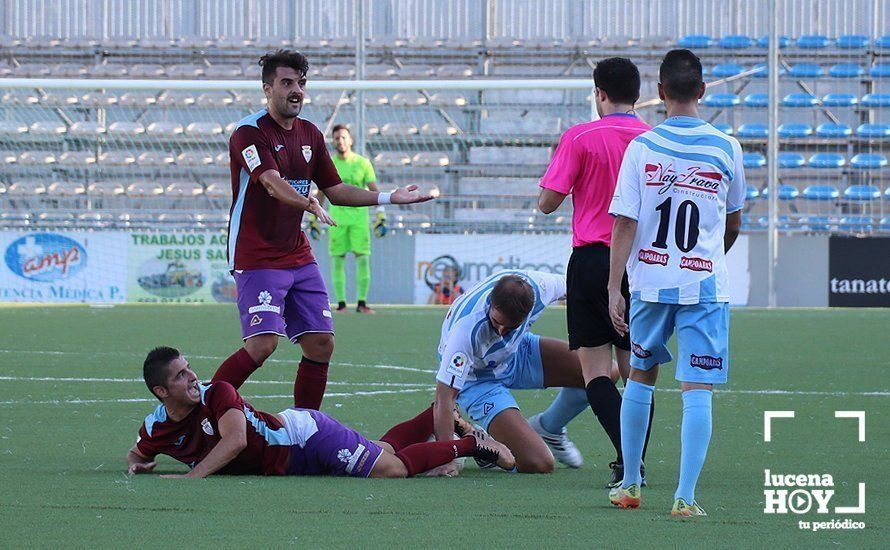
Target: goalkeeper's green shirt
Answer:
[[354, 170]]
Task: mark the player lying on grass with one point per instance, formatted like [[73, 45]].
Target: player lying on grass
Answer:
[[486, 349], [210, 428]]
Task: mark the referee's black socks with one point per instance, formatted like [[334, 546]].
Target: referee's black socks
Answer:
[[605, 401]]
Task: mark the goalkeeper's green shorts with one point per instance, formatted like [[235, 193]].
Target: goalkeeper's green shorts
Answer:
[[355, 238]]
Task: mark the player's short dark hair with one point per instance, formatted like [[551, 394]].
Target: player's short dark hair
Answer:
[[619, 78], [154, 369], [681, 75], [338, 127], [283, 58], [513, 297]]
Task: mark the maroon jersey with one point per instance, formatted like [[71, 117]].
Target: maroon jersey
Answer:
[[264, 233], [192, 438]]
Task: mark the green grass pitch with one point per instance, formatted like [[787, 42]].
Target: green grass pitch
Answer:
[[71, 406]]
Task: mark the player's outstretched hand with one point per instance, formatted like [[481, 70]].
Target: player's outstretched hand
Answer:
[[445, 470], [320, 213], [617, 307], [141, 467], [410, 195]]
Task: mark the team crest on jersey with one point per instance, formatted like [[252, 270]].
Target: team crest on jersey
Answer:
[[653, 257], [307, 152], [205, 425], [265, 304], [706, 362], [696, 264], [456, 364]]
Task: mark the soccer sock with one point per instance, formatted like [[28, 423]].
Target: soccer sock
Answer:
[[649, 427], [695, 434], [236, 369], [416, 430], [421, 457], [605, 401], [635, 408], [362, 276], [338, 276], [312, 377], [569, 403]]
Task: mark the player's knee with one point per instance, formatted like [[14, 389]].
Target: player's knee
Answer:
[[261, 347], [536, 464], [318, 347]]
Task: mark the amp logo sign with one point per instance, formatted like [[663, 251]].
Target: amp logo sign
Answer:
[[45, 257]]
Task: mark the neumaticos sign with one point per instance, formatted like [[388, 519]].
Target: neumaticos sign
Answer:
[[859, 272]]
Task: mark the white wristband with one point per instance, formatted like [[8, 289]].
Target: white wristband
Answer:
[[384, 198]]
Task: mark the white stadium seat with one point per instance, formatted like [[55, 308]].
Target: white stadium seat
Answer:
[[391, 159], [77, 158], [125, 129], [138, 99], [164, 129], [47, 128], [176, 99], [203, 129], [155, 158], [11, 129], [117, 158], [36, 158], [430, 160], [86, 129], [98, 99]]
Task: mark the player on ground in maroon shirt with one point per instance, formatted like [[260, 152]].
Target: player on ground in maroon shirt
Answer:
[[274, 157], [211, 429]]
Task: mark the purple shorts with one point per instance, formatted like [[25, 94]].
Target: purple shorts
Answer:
[[287, 302], [324, 447]]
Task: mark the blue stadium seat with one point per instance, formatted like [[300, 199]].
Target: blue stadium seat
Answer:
[[800, 99], [827, 160], [816, 223], [846, 70], [762, 71], [821, 193], [757, 101], [751, 193], [791, 160], [857, 224], [880, 70], [868, 161], [806, 70], [725, 70], [721, 100], [750, 222], [784, 41], [862, 193], [753, 130], [873, 131], [753, 160], [786, 192], [883, 43], [735, 42], [852, 41], [885, 224], [876, 100], [696, 41], [839, 100], [725, 128], [795, 130], [832, 130], [813, 42]]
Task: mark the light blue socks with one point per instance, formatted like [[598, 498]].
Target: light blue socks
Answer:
[[634, 421], [569, 403], [695, 435]]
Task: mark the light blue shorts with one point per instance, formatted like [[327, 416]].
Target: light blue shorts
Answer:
[[485, 399], [702, 339]]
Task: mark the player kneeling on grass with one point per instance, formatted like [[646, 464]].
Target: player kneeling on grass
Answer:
[[210, 428], [486, 350]]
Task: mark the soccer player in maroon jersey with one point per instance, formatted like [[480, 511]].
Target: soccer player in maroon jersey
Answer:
[[212, 429], [274, 156]]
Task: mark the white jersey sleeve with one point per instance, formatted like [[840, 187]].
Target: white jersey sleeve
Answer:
[[456, 358], [627, 198], [735, 198], [551, 286]]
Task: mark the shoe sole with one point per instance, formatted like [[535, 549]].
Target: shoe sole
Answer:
[[626, 503]]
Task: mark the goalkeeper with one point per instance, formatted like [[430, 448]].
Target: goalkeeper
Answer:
[[352, 232]]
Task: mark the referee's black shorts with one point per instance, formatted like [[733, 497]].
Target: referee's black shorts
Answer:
[[587, 300]]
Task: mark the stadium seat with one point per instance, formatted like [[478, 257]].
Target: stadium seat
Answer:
[[222, 160], [338, 71], [839, 100], [109, 70], [203, 129], [5, 68], [725, 70], [137, 99], [831, 130], [735, 42], [185, 71], [440, 128], [398, 129], [86, 129], [725, 128], [791, 160], [47, 128], [77, 158], [25, 188], [146, 70], [430, 160], [880, 70], [41, 42], [750, 222], [876, 100], [257, 100], [827, 160], [885, 224], [454, 71], [757, 100], [176, 98], [873, 131], [329, 99], [417, 71], [813, 42], [806, 70], [794, 130], [852, 42], [407, 99], [12, 129], [8, 157], [883, 43], [426, 42], [117, 158], [20, 98], [155, 43], [753, 130], [164, 129], [448, 99], [378, 71], [65, 189], [751, 193], [194, 158], [125, 129], [15, 220], [761, 70], [856, 224], [868, 161], [754, 160], [862, 193], [60, 99], [70, 70], [270, 42], [98, 99], [784, 41], [721, 100], [374, 99], [145, 189], [816, 223], [184, 189], [155, 159], [194, 42], [846, 70], [223, 72], [391, 159], [786, 192], [696, 42], [502, 42], [800, 99], [31, 70], [218, 191], [821, 192], [36, 158], [214, 100]]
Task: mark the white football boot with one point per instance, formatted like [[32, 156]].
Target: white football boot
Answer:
[[560, 445]]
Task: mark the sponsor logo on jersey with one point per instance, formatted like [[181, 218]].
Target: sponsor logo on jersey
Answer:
[[180, 440], [326, 313], [696, 264], [251, 157], [265, 304], [205, 425], [255, 320], [45, 257], [307, 152], [279, 147], [640, 351], [706, 362], [653, 257], [666, 177], [456, 364], [300, 186], [486, 408]]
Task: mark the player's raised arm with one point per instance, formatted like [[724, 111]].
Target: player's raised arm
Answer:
[[349, 195]]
